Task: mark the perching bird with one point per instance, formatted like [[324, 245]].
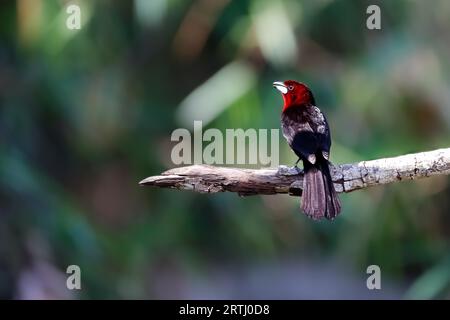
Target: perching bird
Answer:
[[306, 130]]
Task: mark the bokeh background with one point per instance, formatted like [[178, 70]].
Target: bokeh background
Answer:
[[85, 115]]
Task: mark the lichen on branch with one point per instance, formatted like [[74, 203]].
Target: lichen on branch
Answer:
[[346, 177]]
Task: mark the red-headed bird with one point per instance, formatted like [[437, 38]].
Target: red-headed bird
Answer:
[[306, 130]]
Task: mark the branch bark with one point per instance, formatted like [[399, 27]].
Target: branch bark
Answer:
[[346, 177]]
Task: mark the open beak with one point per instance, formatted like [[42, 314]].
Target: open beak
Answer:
[[280, 86]]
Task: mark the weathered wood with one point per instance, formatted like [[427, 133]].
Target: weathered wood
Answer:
[[346, 177]]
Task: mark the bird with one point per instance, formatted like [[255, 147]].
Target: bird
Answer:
[[307, 132]]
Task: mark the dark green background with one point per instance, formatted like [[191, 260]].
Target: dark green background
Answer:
[[85, 115]]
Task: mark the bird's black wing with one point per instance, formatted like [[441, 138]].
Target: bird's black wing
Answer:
[[307, 132], [325, 138]]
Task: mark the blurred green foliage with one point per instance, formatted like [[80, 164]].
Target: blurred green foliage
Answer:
[[85, 115]]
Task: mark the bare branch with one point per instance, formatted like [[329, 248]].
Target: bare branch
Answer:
[[346, 177]]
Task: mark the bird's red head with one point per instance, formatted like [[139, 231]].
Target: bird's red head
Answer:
[[294, 93]]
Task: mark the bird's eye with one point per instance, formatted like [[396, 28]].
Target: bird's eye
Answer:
[[291, 87]]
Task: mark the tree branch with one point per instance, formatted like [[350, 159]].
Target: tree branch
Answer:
[[346, 177]]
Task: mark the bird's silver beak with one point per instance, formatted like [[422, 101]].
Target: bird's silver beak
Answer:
[[280, 86]]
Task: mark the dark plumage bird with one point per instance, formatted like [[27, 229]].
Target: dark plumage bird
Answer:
[[308, 134]]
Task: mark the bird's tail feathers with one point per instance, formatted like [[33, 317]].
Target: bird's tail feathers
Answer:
[[319, 196]]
